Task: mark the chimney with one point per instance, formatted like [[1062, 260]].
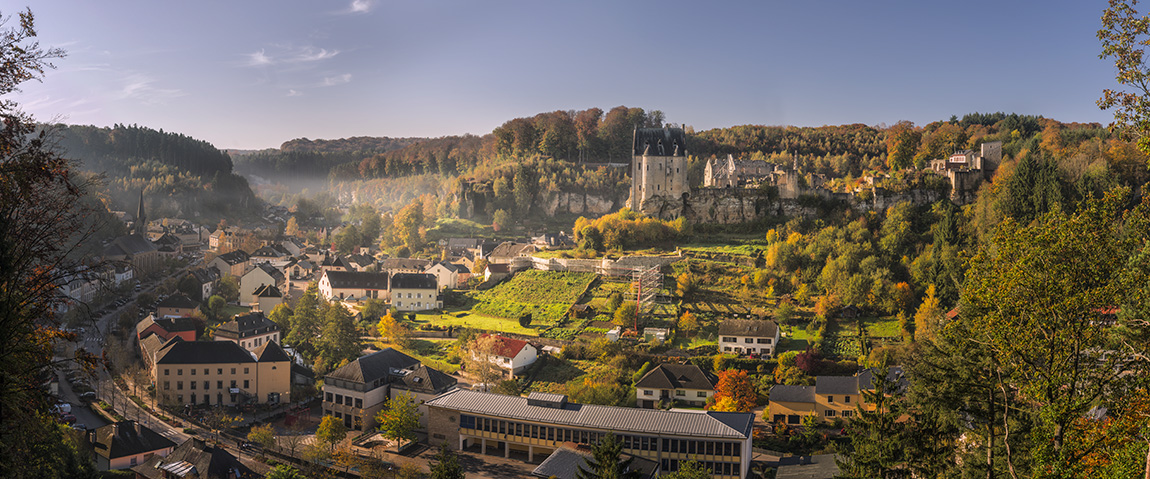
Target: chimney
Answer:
[[116, 429], [136, 426]]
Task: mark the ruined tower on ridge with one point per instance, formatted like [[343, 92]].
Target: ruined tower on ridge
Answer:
[[658, 165]]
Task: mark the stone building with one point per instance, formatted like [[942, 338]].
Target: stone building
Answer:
[[658, 165], [732, 173]]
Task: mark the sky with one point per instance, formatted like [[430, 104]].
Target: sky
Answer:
[[253, 74]]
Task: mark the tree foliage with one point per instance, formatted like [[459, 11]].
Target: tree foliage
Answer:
[[607, 461], [735, 385], [399, 418]]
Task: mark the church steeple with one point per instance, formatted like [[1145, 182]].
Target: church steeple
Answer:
[[141, 226]]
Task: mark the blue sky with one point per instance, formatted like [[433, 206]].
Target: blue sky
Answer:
[[253, 74]]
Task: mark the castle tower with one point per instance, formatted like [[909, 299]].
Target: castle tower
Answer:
[[141, 226], [658, 165]]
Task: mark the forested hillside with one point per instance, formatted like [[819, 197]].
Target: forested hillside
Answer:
[[179, 175]]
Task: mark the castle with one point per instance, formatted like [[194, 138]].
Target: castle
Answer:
[[732, 173], [658, 166]]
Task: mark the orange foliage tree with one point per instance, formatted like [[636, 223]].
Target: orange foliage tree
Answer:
[[734, 392]]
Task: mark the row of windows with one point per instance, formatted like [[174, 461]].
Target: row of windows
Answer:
[[733, 339], [716, 468], [633, 442], [219, 371], [831, 399], [349, 421], [207, 385], [340, 399], [678, 392], [831, 413]]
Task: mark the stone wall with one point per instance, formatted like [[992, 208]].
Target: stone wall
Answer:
[[442, 427], [580, 204]]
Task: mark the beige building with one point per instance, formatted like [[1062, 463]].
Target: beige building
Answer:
[[250, 331], [353, 286], [831, 397], [658, 166], [535, 426], [414, 292], [357, 391], [221, 372]]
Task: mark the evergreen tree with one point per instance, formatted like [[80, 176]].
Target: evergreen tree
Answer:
[[876, 448], [446, 464], [606, 462]]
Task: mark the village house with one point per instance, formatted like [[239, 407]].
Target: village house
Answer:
[[234, 263], [221, 372], [513, 253], [207, 278], [360, 262], [496, 271], [178, 305], [334, 262], [250, 331], [353, 286], [414, 292], [670, 383], [403, 265], [194, 459], [126, 444], [831, 397], [449, 275], [355, 392], [267, 298], [511, 355], [262, 275], [269, 253], [134, 250], [750, 337]]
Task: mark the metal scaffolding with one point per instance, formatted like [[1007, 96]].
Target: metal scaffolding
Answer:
[[645, 286]]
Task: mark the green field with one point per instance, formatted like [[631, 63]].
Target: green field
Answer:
[[546, 295], [476, 321]]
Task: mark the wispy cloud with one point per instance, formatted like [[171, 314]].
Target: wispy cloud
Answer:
[[287, 54], [336, 80], [360, 6], [142, 88], [294, 93], [259, 58]]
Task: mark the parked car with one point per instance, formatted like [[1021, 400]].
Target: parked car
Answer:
[[88, 396], [68, 419], [80, 427], [62, 408]]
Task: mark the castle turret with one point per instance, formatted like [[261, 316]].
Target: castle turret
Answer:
[[658, 165]]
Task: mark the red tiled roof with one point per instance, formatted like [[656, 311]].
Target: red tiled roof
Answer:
[[506, 347]]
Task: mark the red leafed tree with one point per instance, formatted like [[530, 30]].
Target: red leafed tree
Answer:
[[736, 385]]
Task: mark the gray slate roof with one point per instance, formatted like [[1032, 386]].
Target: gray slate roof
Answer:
[[566, 461], [748, 327], [208, 461], [427, 380], [245, 325], [404, 263], [127, 438], [676, 376], [177, 351], [785, 393], [357, 280], [414, 281], [271, 352], [235, 257], [379, 365], [178, 300], [653, 137], [837, 385], [712, 424], [821, 466]]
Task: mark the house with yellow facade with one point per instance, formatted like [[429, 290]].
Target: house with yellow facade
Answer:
[[831, 397]]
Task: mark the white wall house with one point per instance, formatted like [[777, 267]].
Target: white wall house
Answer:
[[511, 355], [351, 285], [748, 337], [415, 292]]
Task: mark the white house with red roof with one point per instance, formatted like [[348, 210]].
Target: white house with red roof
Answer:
[[513, 355]]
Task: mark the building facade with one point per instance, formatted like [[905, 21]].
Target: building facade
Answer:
[[540, 423], [831, 397], [670, 383], [221, 372], [658, 165], [355, 392], [250, 331], [749, 337]]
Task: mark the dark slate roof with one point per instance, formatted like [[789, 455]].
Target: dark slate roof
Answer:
[[127, 438], [206, 275], [177, 351], [785, 393], [654, 137], [379, 365], [208, 461], [244, 325], [404, 263], [566, 461], [178, 300], [235, 257], [335, 261], [269, 251], [150, 344], [360, 259], [836, 385], [749, 327], [357, 280], [676, 376], [894, 373], [414, 281], [454, 268], [167, 324], [268, 291], [427, 380], [510, 249], [712, 424], [134, 244], [270, 352], [270, 270]]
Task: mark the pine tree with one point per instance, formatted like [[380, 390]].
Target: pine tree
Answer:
[[605, 462], [446, 465]]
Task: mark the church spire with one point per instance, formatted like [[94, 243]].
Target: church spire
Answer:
[[141, 219]]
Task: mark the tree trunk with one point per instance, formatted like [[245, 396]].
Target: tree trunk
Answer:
[[1147, 475], [990, 435]]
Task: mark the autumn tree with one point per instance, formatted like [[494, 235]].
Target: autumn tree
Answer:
[[408, 224], [399, 418], [626, 314], [264, 435], [283, 471], [902, 141], [393, 330], [331, 431], [686, 284], [479, 359], [688, 323], [734, 392], [928, 320], [1124, 34]]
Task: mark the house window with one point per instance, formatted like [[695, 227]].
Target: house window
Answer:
[[829, 413], [701, 394], [245, 384], [358, 402], [193, 371], [207, 385], [830, 399], [327, 397], [233, 383], [205, 371], [847, 399], [220, 371], [193, 385], [180, 386], [680, 392], [764, 341], [245, 370], [179, 372], [167, 385], [233, 370], [730, 339], [748, 340], [648, 392], [848, 413], [726, 348], [166, 371], [219, 384]]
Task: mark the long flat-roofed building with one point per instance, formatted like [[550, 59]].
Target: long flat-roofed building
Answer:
[[541, 423]]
